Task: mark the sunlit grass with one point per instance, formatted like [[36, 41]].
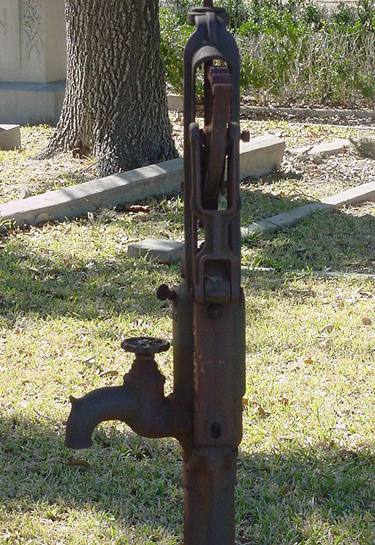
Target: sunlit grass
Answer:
[[68, 296]]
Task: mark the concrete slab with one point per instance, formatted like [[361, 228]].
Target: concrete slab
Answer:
[[285, 220], [130, 187], [324, 149], [162, 251], [354, 195], [262, 155], [10, 137]]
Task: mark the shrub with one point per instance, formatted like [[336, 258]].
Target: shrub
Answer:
[[174, 36], [292, 51], [238, 10]]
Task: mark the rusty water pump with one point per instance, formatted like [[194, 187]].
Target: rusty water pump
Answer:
[[204, 412]]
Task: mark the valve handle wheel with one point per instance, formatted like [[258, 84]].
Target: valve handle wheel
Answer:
[[145, 346]]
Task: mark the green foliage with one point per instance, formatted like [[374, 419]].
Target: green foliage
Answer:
[[238, 10], [174, 36], [292, 52]]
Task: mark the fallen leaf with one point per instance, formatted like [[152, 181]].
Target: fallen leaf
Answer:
[[301, 251], [136, 209], [308, 361], [109, 373], [366, 320], [259, 410], [245, 402], [78, 462], [262, 412], [328, 328], [285, 401]]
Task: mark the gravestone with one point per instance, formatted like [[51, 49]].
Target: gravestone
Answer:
[[32, 60]]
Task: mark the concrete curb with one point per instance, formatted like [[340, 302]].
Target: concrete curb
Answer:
[[260, 156], [285, 220], [176, 104], [305, 113], [107, 192], [335, 275], [158, 250]]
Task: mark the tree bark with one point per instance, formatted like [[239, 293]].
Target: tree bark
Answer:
[[115, 103]]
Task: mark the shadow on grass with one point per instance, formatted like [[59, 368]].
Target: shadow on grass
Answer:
[[295, 495], [335, 240], [31, 282]]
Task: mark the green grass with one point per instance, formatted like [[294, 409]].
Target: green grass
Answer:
[[69, 294], [22, 175]]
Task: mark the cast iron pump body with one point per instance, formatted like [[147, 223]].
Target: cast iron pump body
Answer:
[[204, 412]]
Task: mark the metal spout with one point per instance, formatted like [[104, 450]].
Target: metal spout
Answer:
[[140, 402], [111, 403]]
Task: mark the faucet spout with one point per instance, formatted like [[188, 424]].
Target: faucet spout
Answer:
[[111, 403]]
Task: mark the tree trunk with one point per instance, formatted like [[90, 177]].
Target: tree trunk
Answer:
[[115, 103]]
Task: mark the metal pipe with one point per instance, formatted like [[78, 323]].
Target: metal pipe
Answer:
[[209, 476], [113, 403]]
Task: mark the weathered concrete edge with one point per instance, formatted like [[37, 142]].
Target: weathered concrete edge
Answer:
[[125, 188], [247, 271], [128, 187], [285, 220], [176, 103], [305, 113]]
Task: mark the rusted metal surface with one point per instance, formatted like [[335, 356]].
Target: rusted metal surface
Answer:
[[204, 412]]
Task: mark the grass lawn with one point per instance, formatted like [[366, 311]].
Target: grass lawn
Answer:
[[69, 294]]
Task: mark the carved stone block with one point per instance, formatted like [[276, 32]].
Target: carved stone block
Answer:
[[32, 41]]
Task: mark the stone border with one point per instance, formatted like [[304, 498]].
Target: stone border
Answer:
[[305, 113], [260, 156], [78, 200], [285, 220], [159, 250], [176, 104], [327, 275]]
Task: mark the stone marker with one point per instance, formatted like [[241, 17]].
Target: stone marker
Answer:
[[32, 60], [162, 251], [133, 186], [10, 137], [262, 155], [176, 103], [324, 149]]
